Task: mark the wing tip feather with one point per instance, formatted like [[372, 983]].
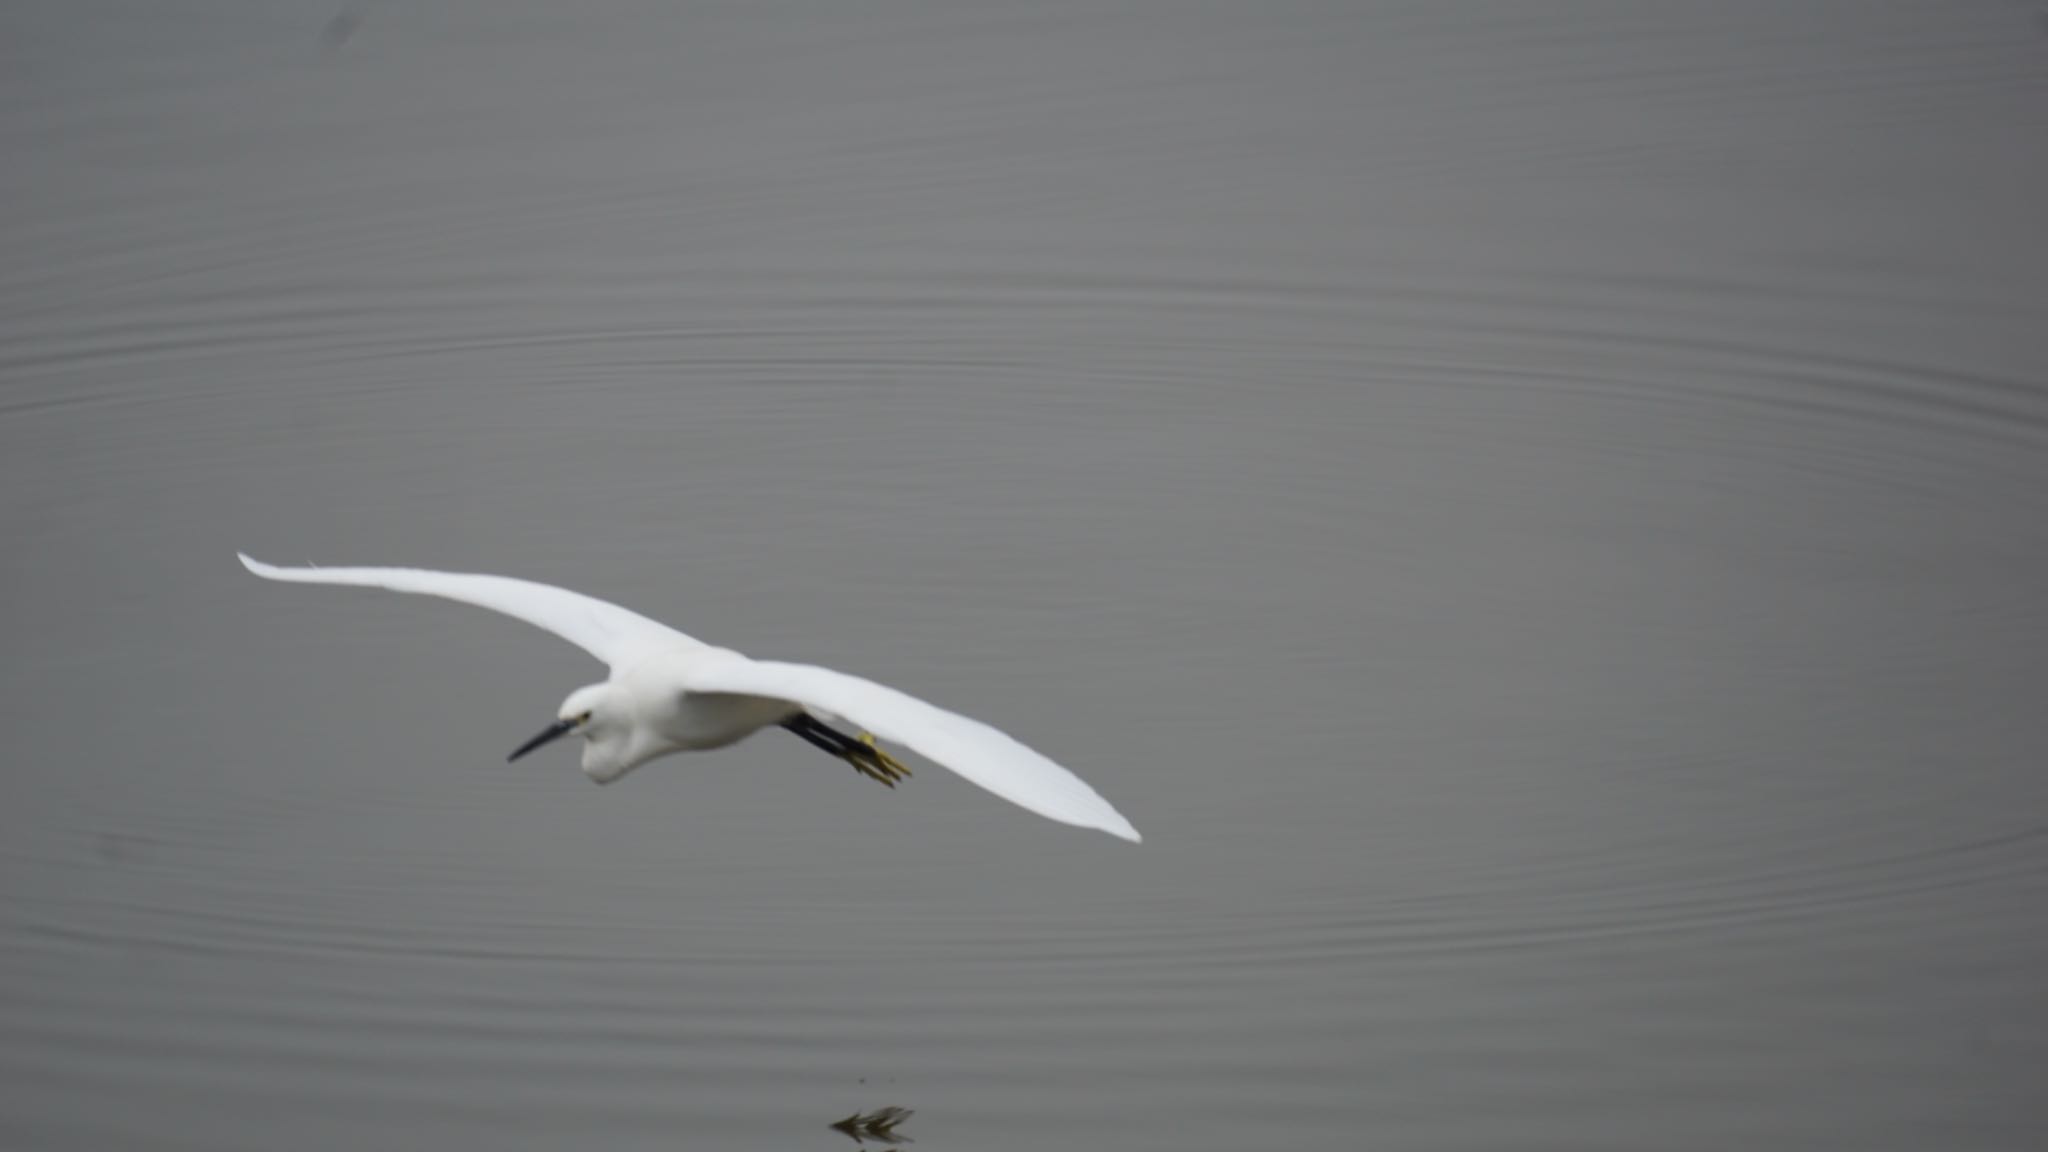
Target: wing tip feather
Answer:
[[1110, 820], [304, 574]]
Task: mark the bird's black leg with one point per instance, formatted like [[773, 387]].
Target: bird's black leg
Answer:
[[809, 729], [860, 751]]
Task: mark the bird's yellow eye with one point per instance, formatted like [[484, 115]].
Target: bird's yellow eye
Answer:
[[583, 719]]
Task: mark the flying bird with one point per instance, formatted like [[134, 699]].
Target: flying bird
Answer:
[[670, 693]]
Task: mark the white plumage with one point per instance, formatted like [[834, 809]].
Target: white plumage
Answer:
[[669, 693]]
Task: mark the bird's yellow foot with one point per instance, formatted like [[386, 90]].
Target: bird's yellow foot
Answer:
[[869, 760], [888, 762], [862, 752]]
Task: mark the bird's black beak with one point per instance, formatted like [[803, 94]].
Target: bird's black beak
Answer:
[[552, 732]]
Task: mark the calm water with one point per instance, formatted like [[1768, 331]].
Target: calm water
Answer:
[[1538, 510]]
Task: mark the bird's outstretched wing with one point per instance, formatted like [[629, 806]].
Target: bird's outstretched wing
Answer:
[[604, 630], [982, 754]]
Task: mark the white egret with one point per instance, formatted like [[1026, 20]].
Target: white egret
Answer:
[[672, 693]]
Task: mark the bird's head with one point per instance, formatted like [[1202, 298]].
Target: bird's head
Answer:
[[597, 713]]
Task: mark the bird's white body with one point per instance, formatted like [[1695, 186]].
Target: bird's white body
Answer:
[[670, 693], [664, 718], [702, 721]]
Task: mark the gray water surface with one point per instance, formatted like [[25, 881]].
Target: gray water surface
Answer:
[[1538, 510]]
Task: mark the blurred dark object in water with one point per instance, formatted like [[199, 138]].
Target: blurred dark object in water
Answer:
[[879, 1126]]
